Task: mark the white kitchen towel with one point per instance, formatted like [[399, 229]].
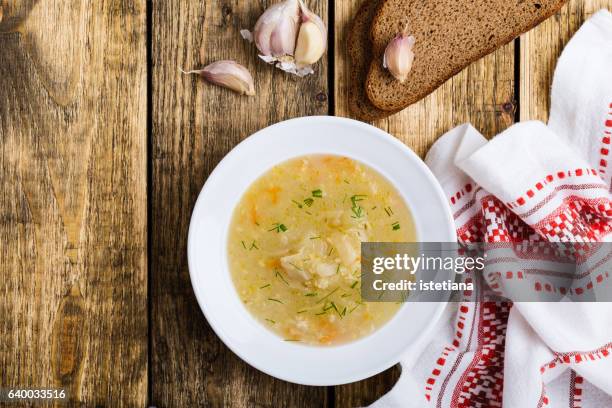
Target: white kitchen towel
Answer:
[[537, 183]]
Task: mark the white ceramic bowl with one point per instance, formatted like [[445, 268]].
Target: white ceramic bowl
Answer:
[[208, 263]]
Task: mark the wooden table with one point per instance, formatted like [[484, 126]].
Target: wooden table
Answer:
[[104, 149]]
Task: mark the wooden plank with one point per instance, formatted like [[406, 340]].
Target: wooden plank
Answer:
[[366, 392], [194, 125], [73, 280], [482, 94], [540, 49]]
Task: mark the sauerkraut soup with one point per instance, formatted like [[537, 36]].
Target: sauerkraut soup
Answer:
[[294, 247]]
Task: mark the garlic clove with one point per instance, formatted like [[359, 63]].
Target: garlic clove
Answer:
[[312, 38], [308, 15], [228, 74], [282, 39], [276, 29], [399, 56], [310, 46]]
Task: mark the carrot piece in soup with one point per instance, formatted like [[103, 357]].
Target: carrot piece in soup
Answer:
[[273, 263], [273, 192]]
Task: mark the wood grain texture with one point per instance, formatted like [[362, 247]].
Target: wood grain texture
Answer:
[[73, 198], [73, 279], [540, 49], [194, 125], [482, 94]]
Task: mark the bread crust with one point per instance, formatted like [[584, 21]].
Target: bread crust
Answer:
[[359, 49], [450, 35]]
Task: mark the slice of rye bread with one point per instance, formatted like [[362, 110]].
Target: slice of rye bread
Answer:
[[450, 35], [359, 48]]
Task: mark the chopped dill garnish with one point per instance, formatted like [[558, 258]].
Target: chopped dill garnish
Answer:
[[275, 300], [396, 226], [389, 211], [243, 245], [329, 306], [295, 266], [271, 321], [302, 311], [299, 205], [280, 276], [346, 181], [309, 202], [338, 269], [328, 295], [358, 197], [253, 246], [278, 227], [311, 294], [265, 286], [354, 284], [315, 237], [344, 311], [292, 340], [345, 295], [351, 311], [357, 212], [356, 208], [330, 251], [308, 212], [317, 193], [373, 208]]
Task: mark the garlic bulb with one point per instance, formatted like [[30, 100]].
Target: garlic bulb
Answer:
[[276, 29], [228, 74], [399, 56], [289, 36]]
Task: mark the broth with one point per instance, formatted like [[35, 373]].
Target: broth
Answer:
[[294, 247]]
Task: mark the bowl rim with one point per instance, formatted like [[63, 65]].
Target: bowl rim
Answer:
[[450, 235]]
